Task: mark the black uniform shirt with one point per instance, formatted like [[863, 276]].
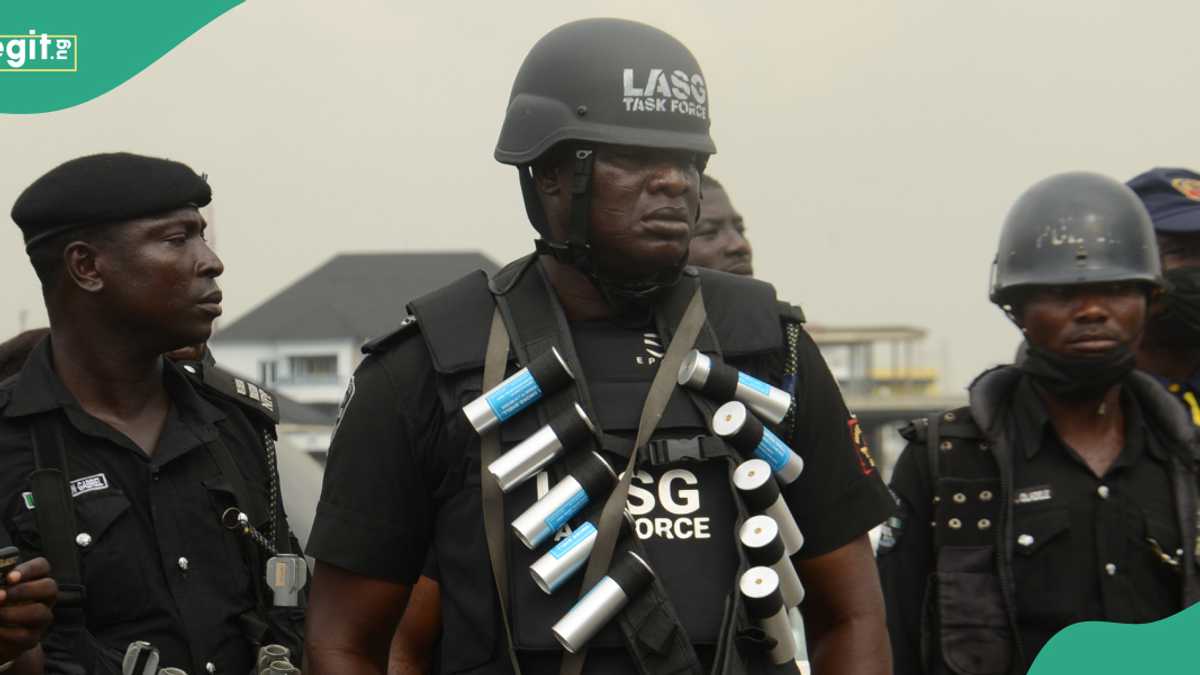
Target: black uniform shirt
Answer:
[[398, 468], [1082, 544], [1090, 548], [159, 566]]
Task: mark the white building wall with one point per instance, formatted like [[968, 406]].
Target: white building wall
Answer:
[[244, 358]]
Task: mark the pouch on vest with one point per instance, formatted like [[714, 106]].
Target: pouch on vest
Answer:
[[975, 635]]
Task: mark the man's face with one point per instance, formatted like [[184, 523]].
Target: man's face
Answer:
[[719, 241], [1086, 320], [159, 278], [1176, 251], [643, 205]]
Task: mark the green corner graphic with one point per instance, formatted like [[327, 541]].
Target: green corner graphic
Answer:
[[55, 54], [1101, 648]]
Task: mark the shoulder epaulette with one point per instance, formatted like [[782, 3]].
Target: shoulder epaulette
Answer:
[[381, 343], [956, 423], [959, 423], [251, 396], [916, 431], [790, 312]]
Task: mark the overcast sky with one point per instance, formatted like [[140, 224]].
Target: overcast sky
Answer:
[[873, 146]]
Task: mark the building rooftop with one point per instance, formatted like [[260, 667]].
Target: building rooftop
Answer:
[[353, 295]]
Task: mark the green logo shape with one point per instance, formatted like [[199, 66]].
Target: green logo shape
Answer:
[[1102, 648], [55, 54]]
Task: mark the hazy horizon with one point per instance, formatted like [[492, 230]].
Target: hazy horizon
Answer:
[[872, 147]]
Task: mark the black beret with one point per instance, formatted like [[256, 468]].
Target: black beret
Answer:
[[107, 188]]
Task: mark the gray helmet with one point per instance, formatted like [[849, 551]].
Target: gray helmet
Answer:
[[1075, 228], [602, 81], [606, 81]]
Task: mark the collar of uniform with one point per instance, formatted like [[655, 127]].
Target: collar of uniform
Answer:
[[39, 389], [183, 394], [1036, 424], [1033, 422]]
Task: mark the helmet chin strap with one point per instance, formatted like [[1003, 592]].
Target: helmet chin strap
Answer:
[[624, 295]]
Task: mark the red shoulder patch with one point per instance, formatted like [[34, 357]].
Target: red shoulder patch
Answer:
[[863, 453]]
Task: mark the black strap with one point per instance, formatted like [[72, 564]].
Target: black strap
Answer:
[[661, 388], [492, 497], [55, 510], [581, 198], [535, 325], [933, 446]]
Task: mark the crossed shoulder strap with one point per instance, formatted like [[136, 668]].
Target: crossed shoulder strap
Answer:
[[54, 509]]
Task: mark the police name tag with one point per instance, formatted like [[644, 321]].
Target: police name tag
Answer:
[[286, 575], [1033, 495]]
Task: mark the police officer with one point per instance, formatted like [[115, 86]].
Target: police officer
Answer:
[[608, 126], [719, 241], [117, 464], [1171, 349], [1065, 491]]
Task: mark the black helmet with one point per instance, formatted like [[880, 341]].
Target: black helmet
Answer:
[[1075, 228], [606, 81], [600, 81]]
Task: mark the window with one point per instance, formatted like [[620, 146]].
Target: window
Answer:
[[321, 368], [268, 372]]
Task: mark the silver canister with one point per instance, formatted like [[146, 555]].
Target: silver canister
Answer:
[[722, 382], [141, 658], [587, 479], [172, 671], [544, 375], [760, 593], [760, 494], [627, 577], [272, 652], [280, 668], [566, 431], [760, 538], [746, 433], [568, 556]]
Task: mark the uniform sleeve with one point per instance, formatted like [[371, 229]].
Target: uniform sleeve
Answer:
[[375, 510], [839, 496], [905, 559], [430, 570]]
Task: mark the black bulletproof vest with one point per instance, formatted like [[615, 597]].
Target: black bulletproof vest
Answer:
[[970, 621], [743, 325]]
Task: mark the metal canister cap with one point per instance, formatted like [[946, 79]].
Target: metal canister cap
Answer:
[[759, 582], [695, 366], [562, 362], [729, 419], [583, 416], [751, 475], [758, 531]]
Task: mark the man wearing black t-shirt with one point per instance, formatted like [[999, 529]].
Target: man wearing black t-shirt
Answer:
[[614, 194]]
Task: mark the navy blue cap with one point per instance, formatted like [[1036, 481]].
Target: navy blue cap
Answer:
[[1172, 196]]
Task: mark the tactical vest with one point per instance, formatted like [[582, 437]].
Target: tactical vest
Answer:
[[744, 322], [969, 626]]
